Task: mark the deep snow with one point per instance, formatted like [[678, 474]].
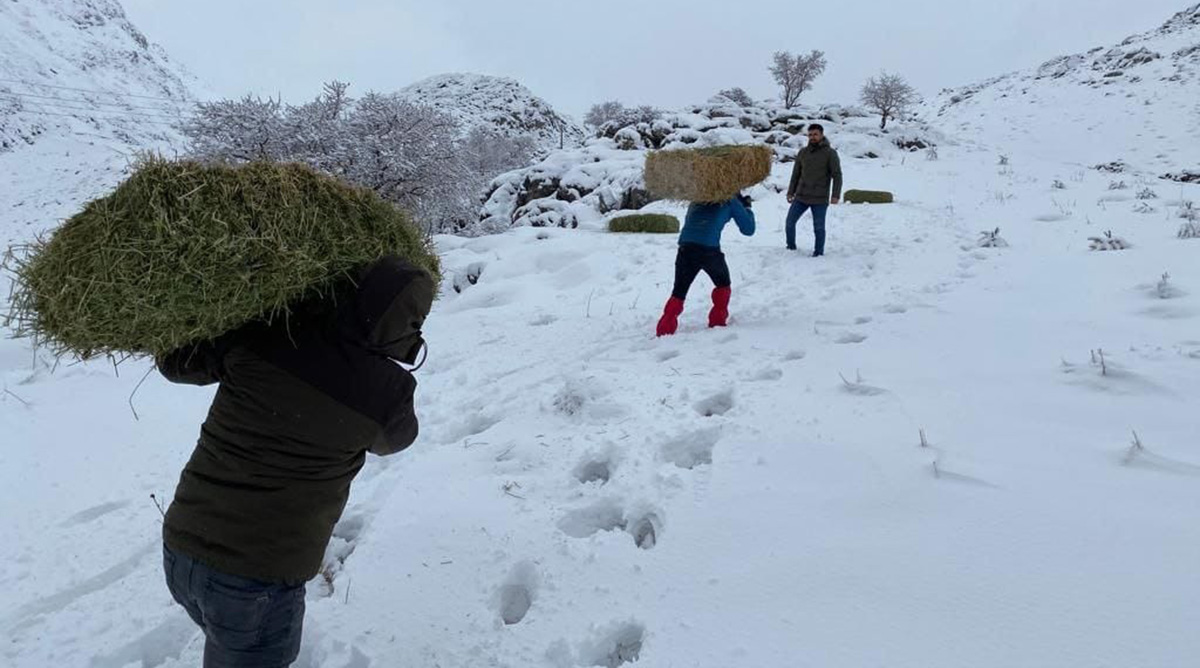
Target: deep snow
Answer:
[[915, 451], [784, 516]]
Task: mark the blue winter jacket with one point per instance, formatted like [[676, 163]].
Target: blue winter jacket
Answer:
[[705, 222]]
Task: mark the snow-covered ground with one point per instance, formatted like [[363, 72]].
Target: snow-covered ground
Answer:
[[751, 496]]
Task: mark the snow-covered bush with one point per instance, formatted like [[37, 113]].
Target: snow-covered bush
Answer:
[[1057, 184], [738, 96], [1147, 194], [412, 155], [1189, 211], [992, 239], [1165, 289], [1144, 207], [1190, 230], [1108, 242], [1117, 185], [629, 139]]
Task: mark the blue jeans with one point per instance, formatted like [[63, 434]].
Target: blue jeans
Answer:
[[818, 214], [246, 623]]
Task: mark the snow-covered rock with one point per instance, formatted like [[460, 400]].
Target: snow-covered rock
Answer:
[[581, 185], [496, 104], [81, 69]]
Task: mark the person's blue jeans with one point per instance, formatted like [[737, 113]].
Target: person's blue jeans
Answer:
[[246, 623], [818, 214]]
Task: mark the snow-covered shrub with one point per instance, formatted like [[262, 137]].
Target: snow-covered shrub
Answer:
[[629, 139], [1117, 185], [412, 155], [1190, 230], [1165, 289], [1144, 207], [1003, 162], [1115, 167], [1057, 184], [1147, 194], [931, 154], [1108, 242], [738, 96], [1189, 211], [992, 239]]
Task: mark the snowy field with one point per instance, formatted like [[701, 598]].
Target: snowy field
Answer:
[[586, 495]]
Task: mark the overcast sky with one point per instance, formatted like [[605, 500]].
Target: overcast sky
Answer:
[[668, 53]]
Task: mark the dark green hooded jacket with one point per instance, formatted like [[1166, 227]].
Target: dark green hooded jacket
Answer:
[[298, 407], [816, 169]]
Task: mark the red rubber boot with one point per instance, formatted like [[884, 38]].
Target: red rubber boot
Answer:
[[669, 322], [719, 315]]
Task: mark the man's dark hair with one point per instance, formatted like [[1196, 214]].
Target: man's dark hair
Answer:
[[817, 126]]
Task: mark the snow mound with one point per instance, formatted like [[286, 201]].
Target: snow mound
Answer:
[[497, 104]]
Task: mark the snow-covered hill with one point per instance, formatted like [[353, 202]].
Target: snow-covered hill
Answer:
[[1136, 103], [497, 104], [81, 91], [80, 69], [582, 185]]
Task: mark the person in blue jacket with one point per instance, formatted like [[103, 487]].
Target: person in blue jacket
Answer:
[[700, 250]]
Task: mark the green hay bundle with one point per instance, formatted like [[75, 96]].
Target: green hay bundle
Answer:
[[707, 174], [647, 223], [184, 252], [868, 197]]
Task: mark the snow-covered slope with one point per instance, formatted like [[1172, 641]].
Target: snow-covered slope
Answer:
[[79, 69], [583, 184], [497, 104], [81, 92], [1137, 102], [583, 494]]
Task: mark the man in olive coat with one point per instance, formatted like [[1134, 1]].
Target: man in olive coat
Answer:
[[298, 407], [817, 170]]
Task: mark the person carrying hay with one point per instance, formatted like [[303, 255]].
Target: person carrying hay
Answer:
[[299, 405], [700, 250]]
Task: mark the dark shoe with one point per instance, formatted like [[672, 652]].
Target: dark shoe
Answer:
[[816, 254], [791, 248]]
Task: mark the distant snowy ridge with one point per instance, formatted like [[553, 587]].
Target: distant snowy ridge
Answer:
[[496, 104], [581, 185], [1136, 102], [81, 69]]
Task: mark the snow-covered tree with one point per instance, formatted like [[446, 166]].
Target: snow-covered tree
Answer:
[[738, 96], [604, 112], [889, 95], [795, 73], [238, 130], [410, 154]]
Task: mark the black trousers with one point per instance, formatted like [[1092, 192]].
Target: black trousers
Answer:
[[694, 258]]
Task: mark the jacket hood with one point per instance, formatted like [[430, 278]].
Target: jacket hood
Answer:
[[387, 310]]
